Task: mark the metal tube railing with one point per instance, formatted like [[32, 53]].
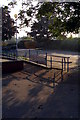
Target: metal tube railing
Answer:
[[65, 60]]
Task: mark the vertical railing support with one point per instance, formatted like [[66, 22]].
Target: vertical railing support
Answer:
[[29, 54], [37, 56], [46, 59], [64, 63], [68, 64], [54, 80], [16, 54], [8, 54], [62, 71], [12, 54], [51, 61], [37, 52], [25, 54]]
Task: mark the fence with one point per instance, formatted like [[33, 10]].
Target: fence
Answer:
[[42, 58]]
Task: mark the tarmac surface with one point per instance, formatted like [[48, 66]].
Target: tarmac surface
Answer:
[[30, 94]]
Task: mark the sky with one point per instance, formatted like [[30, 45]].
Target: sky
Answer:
[[16, 10]]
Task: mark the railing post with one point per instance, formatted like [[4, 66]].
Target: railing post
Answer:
[[25, 54], [16, 54], [8, 54], [51, 61], [54, 80], [37, 56], [12, 54], [37, 52], [29, 54], [46, 59], [62, 71], [67, 64], [64, 64]]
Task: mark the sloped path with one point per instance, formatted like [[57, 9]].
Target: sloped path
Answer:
[[25, 97]]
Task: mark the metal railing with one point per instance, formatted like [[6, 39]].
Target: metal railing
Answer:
[[41, 57]]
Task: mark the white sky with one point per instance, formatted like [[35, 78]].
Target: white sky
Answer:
[[16, 10]]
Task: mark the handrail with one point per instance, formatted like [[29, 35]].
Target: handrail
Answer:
[[58, 56], [59, 61], [64, 59]]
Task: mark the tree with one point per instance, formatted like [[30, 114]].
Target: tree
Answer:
[[8, 28], [63, 17], [40, 31]]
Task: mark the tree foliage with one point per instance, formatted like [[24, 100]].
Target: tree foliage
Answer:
[[27, 13], [60, 18], [40, 31], [8, 28], [63, 17]]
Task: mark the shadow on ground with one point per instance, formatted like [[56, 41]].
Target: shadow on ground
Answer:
[[25, 98]]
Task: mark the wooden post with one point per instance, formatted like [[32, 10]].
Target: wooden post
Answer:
[[51, 61], [67, 64]]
